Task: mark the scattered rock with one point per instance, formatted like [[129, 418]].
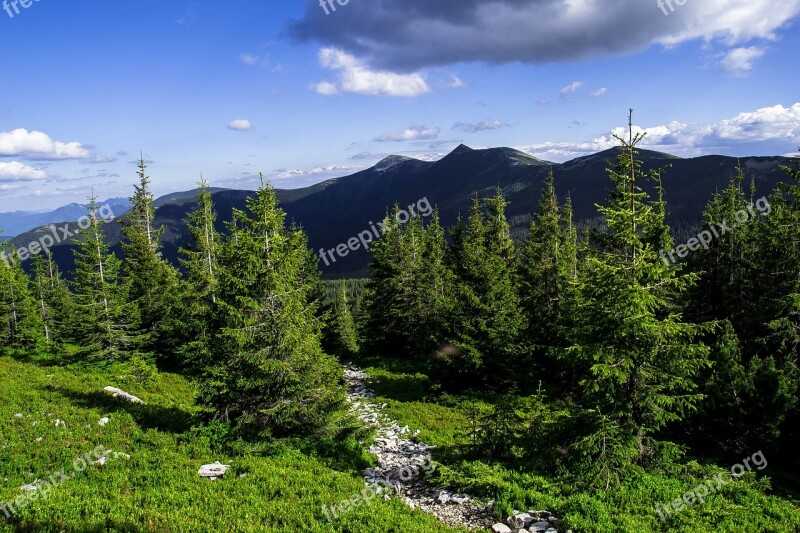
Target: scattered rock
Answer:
[[213, 471], [118, 393], [103, 421], [519, 520]]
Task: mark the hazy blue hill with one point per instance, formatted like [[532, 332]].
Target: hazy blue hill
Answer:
[[333, 211]]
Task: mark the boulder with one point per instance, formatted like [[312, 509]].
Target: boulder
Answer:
[[519, 520], [213, 471], [501, 528], [118, 393]]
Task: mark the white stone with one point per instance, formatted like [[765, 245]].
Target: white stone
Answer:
[[501, 528], [118, 393], [213, 471], [103, 421]]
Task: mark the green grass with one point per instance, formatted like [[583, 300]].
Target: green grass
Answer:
[[743, 505], [158, 488]]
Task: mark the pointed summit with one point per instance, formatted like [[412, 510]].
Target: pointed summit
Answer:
[[462, 149]]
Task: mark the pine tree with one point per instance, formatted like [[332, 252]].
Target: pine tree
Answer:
[[103, 321], [152, 282], [54, 300], [272, 374], [344, 327], [548, 264], [22, 324], [408, 296], [200, 260], [487, 320], [640, 357]]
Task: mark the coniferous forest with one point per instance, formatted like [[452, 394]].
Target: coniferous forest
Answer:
[[608, 374]]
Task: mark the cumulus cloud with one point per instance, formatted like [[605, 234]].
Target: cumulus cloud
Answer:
[[775, 126], [241, 124], [36, 145], [407, 35], [480, 126], [414, 133], [739, 61], [16, 171], [354, 76]]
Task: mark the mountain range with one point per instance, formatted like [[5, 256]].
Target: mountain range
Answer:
[[336, 210]]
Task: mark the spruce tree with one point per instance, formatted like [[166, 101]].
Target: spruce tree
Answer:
[[487, 321], [345, 336], [547, 266], [640, 358], [271, 374], [23, 327], [200, 260], [54, 299], [152, 282], [103, 320]]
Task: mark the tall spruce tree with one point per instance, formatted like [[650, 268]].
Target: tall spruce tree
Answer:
[[271, 375], [640, 357], [54, 299], [103, 325], [547, 266], [487, 321], [408, 296], [200, 260], [152, 283]]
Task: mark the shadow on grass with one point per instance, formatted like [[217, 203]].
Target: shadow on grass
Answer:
[[166, 419]]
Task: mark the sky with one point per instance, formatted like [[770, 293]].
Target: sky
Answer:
[[303, 92]]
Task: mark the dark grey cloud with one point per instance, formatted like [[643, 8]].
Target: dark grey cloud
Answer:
[[406, 35]]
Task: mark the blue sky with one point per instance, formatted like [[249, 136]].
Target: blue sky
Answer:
[[228, 90]]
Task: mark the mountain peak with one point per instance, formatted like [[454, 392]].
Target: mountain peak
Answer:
[[388, 162], [462, 149]]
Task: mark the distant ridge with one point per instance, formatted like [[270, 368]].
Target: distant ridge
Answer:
[[335, 210]]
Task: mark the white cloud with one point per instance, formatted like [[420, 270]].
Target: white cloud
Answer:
[[599, 92], [572, 87], [739, 61], [776, 126], [414, 133], [355, 77], [16, 171], [37, 145], [480, 126], [326, 88], [455, 83], [241, 124]]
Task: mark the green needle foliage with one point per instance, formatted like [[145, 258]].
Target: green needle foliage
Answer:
[[639, 357], [270, 372]]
